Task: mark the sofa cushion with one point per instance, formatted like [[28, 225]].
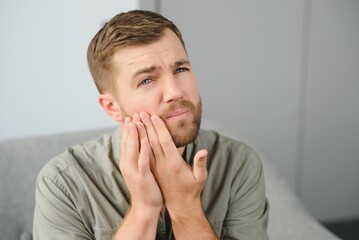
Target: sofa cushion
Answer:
[[20, 163]]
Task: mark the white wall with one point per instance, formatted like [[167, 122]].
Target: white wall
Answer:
[[45, 84], [284, 76]]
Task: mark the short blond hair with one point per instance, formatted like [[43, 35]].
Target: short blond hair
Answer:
[[133, 28]]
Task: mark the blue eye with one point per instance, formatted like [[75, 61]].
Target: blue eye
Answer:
[[145, 82], [178, 70]]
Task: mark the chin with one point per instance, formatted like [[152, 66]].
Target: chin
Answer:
[[184, 132]]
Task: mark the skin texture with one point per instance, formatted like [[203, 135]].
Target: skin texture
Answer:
[[159, 109]]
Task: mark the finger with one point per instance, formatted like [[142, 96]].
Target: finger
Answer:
[[124, 132], [136, 117], [164, 136], [144, 158], [143, 137], [141, 131], [152, 136], [132, 146], [200, 166], [124, 136]]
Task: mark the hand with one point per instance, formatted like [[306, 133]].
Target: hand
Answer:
[[181, 185], [146, 197]]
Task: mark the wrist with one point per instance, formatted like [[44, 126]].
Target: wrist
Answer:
[[144, 214], [184, 204], [191, 224], [188, 211], [139, 223]]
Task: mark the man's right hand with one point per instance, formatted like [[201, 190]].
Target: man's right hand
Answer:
[[146, 198]]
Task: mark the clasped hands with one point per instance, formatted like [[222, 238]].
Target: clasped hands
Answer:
[[154, 170]]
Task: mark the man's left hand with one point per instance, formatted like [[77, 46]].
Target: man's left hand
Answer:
[[181, 185]]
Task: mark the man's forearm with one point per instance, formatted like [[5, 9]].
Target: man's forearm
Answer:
[[192, 225], [138, 225]]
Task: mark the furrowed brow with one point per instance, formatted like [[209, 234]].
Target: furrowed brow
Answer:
[[144, 70], [181, 63]]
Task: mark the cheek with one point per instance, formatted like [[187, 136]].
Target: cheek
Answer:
[[191, 90], [140, 104]]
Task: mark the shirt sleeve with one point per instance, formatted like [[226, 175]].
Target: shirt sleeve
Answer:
[[55, 215], [247, 215]]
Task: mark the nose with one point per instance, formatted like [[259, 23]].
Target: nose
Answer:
[[172, 90]]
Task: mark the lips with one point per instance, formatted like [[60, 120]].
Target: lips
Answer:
[[177, 113]]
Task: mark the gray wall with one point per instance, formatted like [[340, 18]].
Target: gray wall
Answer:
[[284, 77], [331, 139], [45, 84]]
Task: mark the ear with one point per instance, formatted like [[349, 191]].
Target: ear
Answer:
[[111, 106]]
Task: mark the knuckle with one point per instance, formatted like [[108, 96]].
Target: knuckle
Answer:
[[174, 167], [154, 142]]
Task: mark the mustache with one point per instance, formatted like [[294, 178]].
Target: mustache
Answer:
[[177, 105]]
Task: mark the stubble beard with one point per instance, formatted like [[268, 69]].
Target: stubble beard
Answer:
[[184, 131]]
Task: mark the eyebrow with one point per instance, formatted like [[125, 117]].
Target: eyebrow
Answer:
[[145, 70], [181, 63], [153, 68]]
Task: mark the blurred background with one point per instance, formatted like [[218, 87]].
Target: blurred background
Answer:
[[281, 75]]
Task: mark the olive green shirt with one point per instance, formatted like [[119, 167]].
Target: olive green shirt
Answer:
[[81, 193]]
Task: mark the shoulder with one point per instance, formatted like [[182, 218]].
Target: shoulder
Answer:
[[80, 156], [229, 157], [216, 142], [234, 170]]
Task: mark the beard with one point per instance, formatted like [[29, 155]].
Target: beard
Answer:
[[184, 131]]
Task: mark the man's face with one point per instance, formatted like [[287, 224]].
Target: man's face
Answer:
[[158, 79]]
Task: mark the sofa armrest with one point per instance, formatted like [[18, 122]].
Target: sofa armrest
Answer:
[[288, 218]]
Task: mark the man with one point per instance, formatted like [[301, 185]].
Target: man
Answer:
[[161, 177]]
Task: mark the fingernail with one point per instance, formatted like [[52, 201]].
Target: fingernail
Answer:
[[154, 118], [139, 124], [143, 116], [127, 121]]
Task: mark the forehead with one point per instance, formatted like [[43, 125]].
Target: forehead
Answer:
[[162, 53]]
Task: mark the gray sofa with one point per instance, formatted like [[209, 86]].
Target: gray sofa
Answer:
[[22, 159]]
